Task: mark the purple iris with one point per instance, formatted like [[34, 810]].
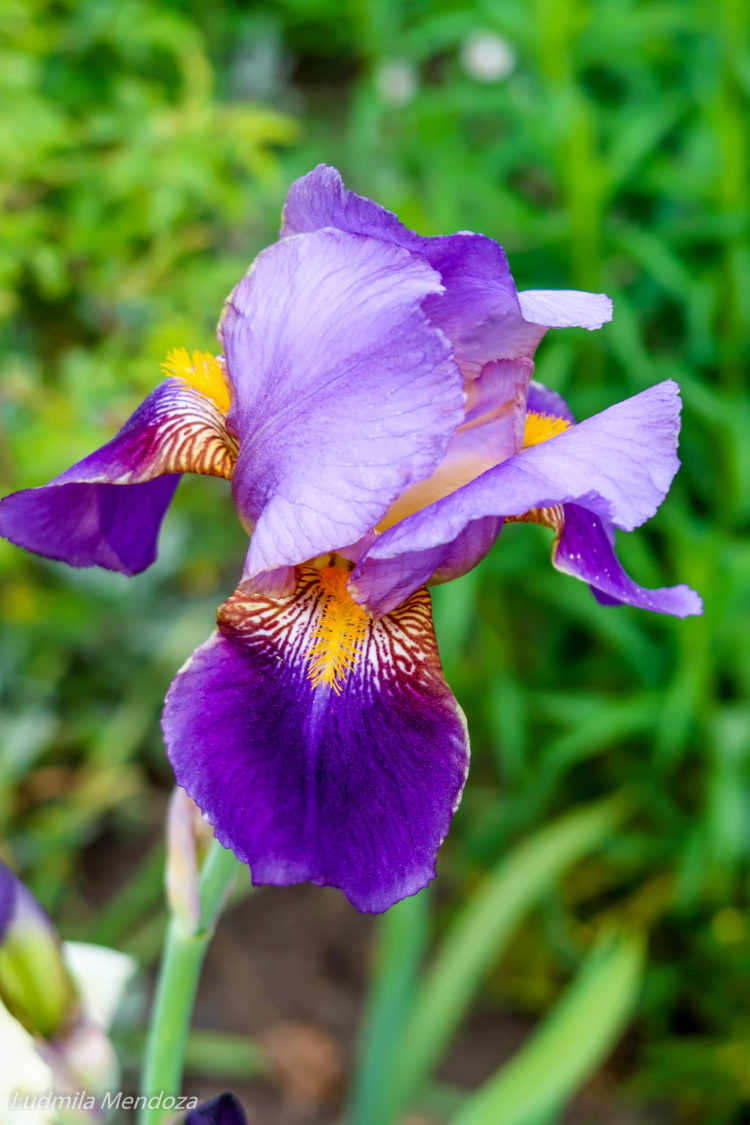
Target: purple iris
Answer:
[[375, 412], [224, 1109]]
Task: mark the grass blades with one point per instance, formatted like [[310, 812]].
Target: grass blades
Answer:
[[475, 941], [573, 1040]]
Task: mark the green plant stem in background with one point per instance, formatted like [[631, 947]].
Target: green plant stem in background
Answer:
[[182, 960]]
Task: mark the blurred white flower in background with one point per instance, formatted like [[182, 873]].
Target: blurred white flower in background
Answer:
[[396, 81], [487, 57], [101, 976]]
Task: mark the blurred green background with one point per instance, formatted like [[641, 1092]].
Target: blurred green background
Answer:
[[145, 148]]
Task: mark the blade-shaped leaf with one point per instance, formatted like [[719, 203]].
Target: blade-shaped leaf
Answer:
[[401, 942], [478, 937], [576, 1036]]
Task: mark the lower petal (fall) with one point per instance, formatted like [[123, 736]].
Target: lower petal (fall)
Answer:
[[351, 785], [585, 549], [107, 509]]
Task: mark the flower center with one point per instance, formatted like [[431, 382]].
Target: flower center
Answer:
[[339, 633], [202, 371], [542, 427]]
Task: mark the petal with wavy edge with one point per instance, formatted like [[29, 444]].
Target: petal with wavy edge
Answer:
[[344, 393], [354, 790], [565, 308], [585, 550], [107, 509], [480, 310], [619, 464]]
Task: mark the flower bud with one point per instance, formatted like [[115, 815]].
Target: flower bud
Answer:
[[35, 984], [188, 838]]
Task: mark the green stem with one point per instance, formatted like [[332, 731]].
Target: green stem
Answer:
[[179, 974]]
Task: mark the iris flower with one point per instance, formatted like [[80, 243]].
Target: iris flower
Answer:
[[224, 1109], [374, 408]]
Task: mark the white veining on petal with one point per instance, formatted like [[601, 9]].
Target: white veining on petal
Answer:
[[187, 434]]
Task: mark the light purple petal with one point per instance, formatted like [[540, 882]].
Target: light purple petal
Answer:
[[492, 431], [319, 199], [345, 394], [107, 509], [585, 550], [382, 584], [619, 464], [565, 308], [502, 388], [479, 310], [354, 790], [542, 400]]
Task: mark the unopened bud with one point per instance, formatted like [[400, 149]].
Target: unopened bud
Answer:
[[35, 984], [188, 839]]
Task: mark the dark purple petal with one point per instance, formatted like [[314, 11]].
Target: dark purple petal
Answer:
[[479, 310], [224, 1109], [8, 889], [585, 549], [619, 464], [345, 394], [107, 509], [354, 790], [111, 526]]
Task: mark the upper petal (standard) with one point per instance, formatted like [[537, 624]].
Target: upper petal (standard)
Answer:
[[480, 311], [345, 393], [565, 308]]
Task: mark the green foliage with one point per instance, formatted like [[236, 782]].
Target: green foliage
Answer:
[[579, 1031], [146, 148], [409, 1047]]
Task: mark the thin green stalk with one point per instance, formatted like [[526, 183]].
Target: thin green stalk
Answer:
[[177, 984]]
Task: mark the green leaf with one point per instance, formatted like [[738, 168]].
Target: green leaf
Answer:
[[401, 941], [224, 1056], [477, 939], [570, 1044]]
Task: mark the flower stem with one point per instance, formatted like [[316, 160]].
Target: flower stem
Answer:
[[179, 973]]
